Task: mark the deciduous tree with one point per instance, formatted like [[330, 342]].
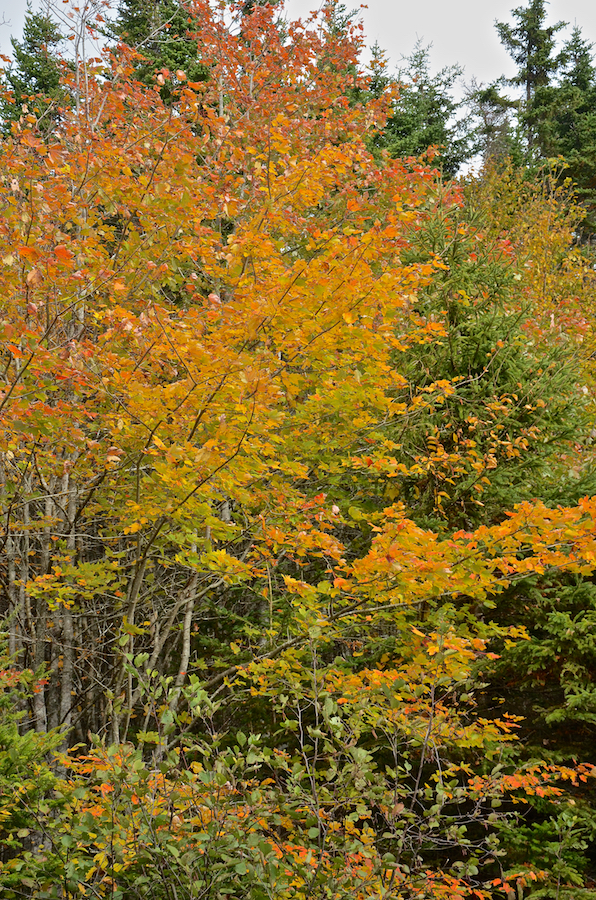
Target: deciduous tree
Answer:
[[211, 315]]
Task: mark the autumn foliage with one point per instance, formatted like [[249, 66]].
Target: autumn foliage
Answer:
[[253, 548]]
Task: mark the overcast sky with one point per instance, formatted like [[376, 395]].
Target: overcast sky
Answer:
[[461, 31]]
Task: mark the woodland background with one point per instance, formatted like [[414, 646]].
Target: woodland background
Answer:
[[297, 438]]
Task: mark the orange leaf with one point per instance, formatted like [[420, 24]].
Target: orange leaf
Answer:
[[64, 255]]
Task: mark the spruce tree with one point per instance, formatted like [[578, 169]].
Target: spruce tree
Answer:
[[34, 77], [569, 122], [424, 115], [579, 70], [495, 438], [531, 45], [556, 115], [161, 32]]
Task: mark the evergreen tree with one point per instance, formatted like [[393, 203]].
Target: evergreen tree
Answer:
[[424, 115], [579, 70], [379, 76], [531, 45], [568, 123], [161, 32], [558, 118], [514, 406], [557, 113], [34, 77]]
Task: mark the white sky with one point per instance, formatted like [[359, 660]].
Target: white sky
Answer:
[[461, 31]]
